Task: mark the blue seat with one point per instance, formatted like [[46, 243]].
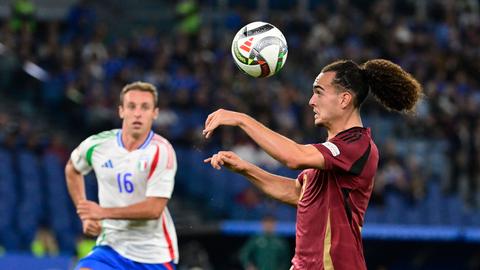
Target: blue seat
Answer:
[[60, 208], [423, 212], [395, 208], [178, 129], [434, 204], [241, 212], [197, 177], [372, 215], [31, 195], [218, 193], [475, 218], [181, 177], [8, 194], [283, 212], [455, 211], [414, 215]]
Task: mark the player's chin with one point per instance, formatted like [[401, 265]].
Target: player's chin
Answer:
[[319, 123], [136, 132]]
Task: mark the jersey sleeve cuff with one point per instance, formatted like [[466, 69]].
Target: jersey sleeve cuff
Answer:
[[158, 194], [326, 155], [74, 157]]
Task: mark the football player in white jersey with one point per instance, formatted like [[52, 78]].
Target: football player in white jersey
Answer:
[[135, 170]]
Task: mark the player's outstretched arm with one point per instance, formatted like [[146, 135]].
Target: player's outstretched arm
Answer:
[[150, 208], [281, 148], [278, 187]]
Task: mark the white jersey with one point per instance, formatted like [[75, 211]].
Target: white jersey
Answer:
[[125, 178]]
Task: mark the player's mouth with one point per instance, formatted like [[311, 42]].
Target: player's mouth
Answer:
[[137, 124]]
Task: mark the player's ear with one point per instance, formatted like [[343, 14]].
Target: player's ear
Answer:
[[155, 113], [346, 98], [120, 111]]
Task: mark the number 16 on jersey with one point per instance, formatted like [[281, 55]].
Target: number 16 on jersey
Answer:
[[124, 182]]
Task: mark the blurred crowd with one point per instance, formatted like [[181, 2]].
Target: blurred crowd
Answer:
[[60, 82]]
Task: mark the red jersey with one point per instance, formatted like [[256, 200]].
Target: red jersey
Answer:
[[331, 208]]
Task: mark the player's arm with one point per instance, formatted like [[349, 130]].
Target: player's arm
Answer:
[[75, 183], [278, 187], [77, 166], [76, 189], [150, 208], [281, 148], [284, 189]]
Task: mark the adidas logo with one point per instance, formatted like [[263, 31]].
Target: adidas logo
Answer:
[[246, 45], [108, 164]]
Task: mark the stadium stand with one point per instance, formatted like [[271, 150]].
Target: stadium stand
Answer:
[[61, 79]]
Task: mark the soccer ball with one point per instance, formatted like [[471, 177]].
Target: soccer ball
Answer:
[[259, 49]]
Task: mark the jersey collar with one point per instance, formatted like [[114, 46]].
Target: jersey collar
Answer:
[[142, 146]]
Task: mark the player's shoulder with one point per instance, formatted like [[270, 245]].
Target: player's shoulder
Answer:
[[163, 145], [157, 139], [354, 135], [101, 137]]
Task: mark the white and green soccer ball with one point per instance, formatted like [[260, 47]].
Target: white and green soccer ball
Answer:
[[259, 49]]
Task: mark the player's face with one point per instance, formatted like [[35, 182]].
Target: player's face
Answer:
[[138, 112], [326, 101]]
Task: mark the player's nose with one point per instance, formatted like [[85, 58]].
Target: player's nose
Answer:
[[311, 102], [137, 112]]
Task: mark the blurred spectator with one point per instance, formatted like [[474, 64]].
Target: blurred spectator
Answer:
[[58, 148], [394, 175], [44, 243], [23, 16], [84, 246], [266, 251], [81, 19], [418, 177], [194, 257], [188, 16], [250, 204]]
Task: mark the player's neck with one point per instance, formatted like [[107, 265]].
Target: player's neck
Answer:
[[131, 142], [347, 122]]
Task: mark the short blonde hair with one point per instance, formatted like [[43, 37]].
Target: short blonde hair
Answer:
[[140, 86]]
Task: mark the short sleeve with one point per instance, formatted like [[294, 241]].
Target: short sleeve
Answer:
[[163, 167], [81, 157], [344, 155]]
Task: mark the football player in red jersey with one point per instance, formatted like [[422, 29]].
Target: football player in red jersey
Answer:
[[332, 193]]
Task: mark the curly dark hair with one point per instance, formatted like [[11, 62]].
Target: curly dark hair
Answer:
[[392, 86]]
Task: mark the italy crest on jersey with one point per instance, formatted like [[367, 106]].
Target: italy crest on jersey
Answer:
[[143, 164]]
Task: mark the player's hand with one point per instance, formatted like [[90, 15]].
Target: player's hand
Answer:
[[91, 227], [90, 210], [228, 159], [218, 118]]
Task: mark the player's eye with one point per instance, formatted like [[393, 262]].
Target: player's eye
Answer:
[[145, 107], [131, 106]]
